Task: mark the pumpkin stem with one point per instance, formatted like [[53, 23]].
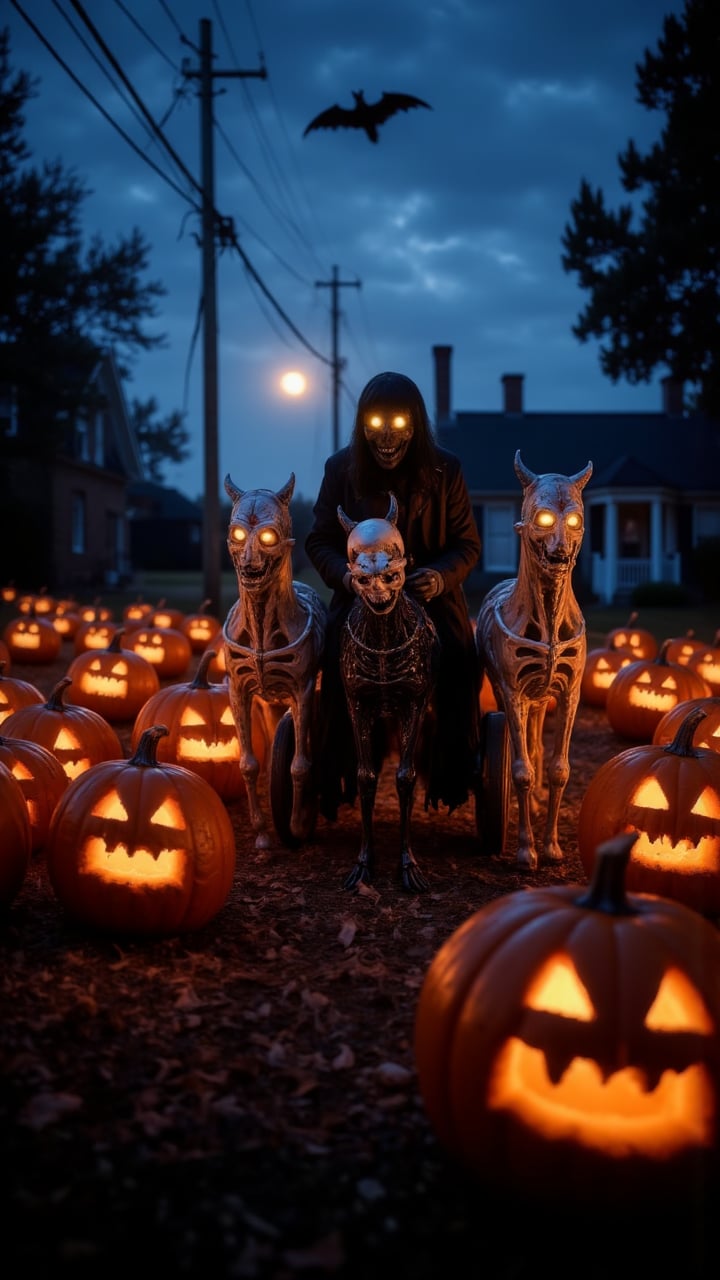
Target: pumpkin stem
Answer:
[[115, 645], [607, 887], [632, 619], [204, 607], [201, 675], [662, 658], [56, 701], [682, 743], [146, 750]]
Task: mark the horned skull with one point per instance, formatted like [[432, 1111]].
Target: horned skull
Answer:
[[259, 531], [376, 558], [552, 517]]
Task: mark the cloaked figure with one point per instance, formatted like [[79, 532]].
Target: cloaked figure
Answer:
[[365, 115]]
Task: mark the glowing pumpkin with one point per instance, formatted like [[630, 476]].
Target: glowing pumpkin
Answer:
[[166, 649], [645, 690], [140, 847], [635, 640], [94, 635], [567, 1041], [669, 796], [681, 648], [15, 837], [41, 779], [136, 613], [9, 593], [77, 736], [95, 612], [706, 662], [166, 617], [201, 628], [116, 682], [601, 667], [15, 693], [31, 639], [65, 621], [201, 732]]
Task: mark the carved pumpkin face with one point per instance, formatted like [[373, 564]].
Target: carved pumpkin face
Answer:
[[635, 640], [115, 682], [94, 635], [31, 639], [568, 1039], [644, 691], [15, 694], [77, 736], [669, 796], [706, 662], [601, 668], [166, 649], [141, 847]]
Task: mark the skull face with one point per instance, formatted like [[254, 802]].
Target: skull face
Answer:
[[388, 435], [376, 560], [259, 533]]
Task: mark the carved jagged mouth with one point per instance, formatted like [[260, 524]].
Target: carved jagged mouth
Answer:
[[252, 577]]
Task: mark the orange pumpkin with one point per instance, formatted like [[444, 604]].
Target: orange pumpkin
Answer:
[[201, 732], [642, 692], [15, 837], [31, 639], [78, 736], [165, 616], [41, 778], [681, 648], [669, 797], [201, 628], [136, 613], [116, 682], [601, 667], [66, 621], [707, 733], [166, 649], [706, 662], [567, 1042], [15, 693], [94, 634], [95, 612], [140, 847], [636, 640]]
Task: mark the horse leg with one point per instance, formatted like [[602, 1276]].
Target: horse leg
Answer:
[[301, 765], [367, 781], [241, 703], [523, 781], [536, 720], [411, 876], [558, 775]]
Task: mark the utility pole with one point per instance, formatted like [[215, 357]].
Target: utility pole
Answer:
[[211, 505], [337, 363]]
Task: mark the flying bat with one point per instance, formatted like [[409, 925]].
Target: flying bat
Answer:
[[365, 115]]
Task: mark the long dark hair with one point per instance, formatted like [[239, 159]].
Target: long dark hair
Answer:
[[392, 392]]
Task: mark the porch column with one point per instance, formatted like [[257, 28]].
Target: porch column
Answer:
[[611, 548], [656, 547]]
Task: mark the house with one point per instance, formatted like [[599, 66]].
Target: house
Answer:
[[166, 528], [653, 500], [64, 521]]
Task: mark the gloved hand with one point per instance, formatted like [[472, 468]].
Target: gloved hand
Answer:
[[424, 584]]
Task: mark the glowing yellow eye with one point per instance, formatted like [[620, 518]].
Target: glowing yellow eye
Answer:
[[375, 422], [237, 534], [574, 521], [545, 519], [399, 422], [268, 537]]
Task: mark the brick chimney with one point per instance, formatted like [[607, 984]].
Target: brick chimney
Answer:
[[512, 392], [442, 356], [672, 394]]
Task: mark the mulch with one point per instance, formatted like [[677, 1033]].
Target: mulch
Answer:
[[242, 1101]]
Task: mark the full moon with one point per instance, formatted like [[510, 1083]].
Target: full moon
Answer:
[[293, 383]]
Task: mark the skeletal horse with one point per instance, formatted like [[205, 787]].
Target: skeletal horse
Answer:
[[530, 638], [273, 636], [389, 651]]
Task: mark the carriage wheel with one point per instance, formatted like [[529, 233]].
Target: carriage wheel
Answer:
[[281, 787], [492, 798]]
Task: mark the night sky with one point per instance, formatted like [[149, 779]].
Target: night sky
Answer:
[[452, 222]]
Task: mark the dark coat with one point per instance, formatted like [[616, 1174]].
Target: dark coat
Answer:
[[439, 531]]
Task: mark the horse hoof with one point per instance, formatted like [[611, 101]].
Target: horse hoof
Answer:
[[526, 860], [552, 857]]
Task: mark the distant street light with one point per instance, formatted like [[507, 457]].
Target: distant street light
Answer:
[[293, 383]]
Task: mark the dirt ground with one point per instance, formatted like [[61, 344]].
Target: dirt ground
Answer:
[[242, 1102]]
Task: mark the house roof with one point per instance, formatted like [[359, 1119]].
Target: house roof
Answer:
[[155, 501], [627, 450]]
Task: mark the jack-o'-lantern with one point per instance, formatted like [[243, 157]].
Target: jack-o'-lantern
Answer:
[[31, 639], [201, 732], [706, 662], [8, 593], [707, 733], [681, 648], [95, 612], [669, 796], [116, 682], [201, 628], [41, 779], [66, 621], [600, 669], [567, 1041], [140, 847], [15, 837], [77, 736], [645, 690], [166, 649], [38, 603], [136, 613], [15, 693], [636, 640], [165, 616], [94, 635]]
